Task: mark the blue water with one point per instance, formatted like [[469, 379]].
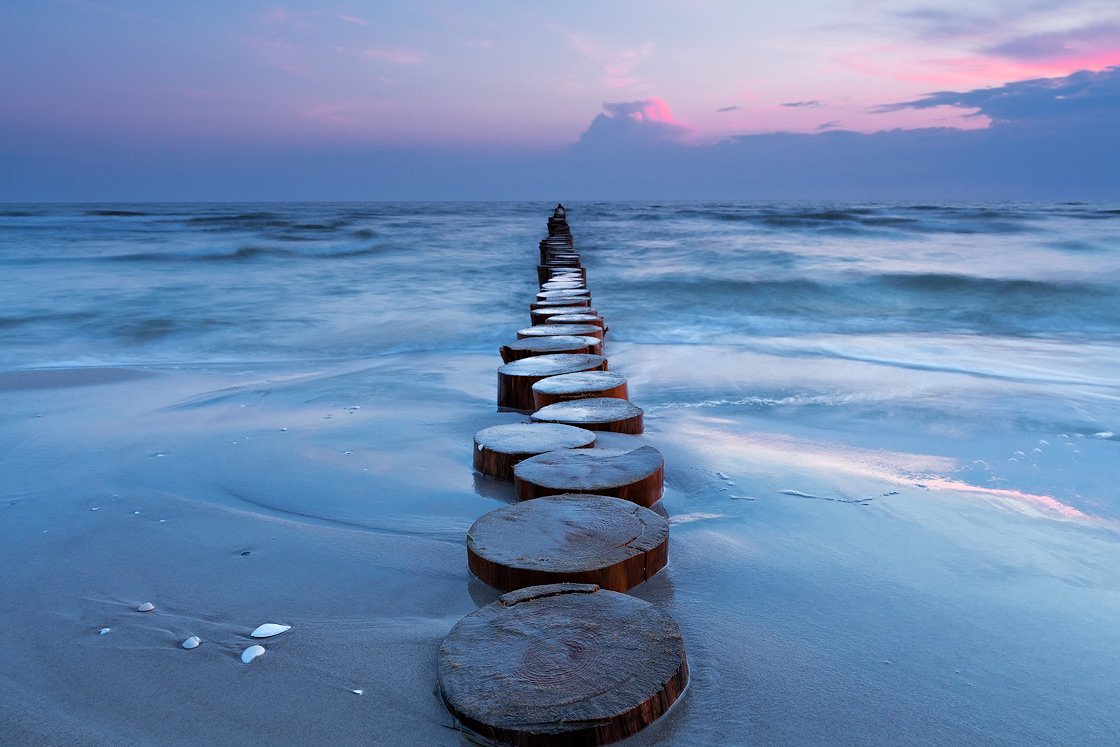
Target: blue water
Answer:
[[174, 283], [155, 283], [998, 319], [944, 377]]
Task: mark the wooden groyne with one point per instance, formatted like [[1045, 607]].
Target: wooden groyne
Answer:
[[565, 657]]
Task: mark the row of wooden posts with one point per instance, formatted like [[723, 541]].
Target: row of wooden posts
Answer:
[[565, 656]]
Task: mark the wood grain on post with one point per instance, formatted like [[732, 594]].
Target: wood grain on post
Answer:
[[567, 293], [498, 448], [570, 538], [595, 414], [552, 303], [583, 385], [578, 318], [516, 379], [544, 272], [549, 330], [562, 664], [540, 316], [530, 346], [636, 475], [563, 284]]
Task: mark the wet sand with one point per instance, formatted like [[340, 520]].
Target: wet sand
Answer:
[[827, 593]]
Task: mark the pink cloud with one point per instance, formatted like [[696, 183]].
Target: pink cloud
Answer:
[[652, 109]]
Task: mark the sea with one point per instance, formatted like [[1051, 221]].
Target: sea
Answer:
[[973, 323], [890, 433]]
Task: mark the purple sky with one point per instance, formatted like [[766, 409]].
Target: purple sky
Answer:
[[119, 100]]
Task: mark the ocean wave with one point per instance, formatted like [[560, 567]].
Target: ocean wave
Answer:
[[115, 213], [934, 282], [243, 254]]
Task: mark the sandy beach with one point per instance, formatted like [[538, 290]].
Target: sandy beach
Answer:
[[312, 499]]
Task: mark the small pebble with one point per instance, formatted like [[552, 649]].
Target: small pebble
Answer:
[[270, 629], [251, 653], [192, 642], [96, 508], [283, 429], [146, 607]]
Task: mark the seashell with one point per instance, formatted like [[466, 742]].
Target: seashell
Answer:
[[251, 653], [103, 631], [359, 691], [192, 642], [269, 629], [146, 607]]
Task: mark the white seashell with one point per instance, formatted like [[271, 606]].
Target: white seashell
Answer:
[[192, 642], [270, 629], [359, 691], [146, 607], [251, 653], [103, 631]]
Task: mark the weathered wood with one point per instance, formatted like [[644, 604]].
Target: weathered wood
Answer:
[[576, 318], [569, 538], [529, 346], [595, 414], [560, 294], [540, 316], [546, 271], [555, 255], [516, 379], [636, 475], [583, 385], [498, 448], [549, 330], [560, 302], [562, 664]]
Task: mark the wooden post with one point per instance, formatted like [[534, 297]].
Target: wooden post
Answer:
[[516, 379], [498, 448], [636, 475], [595, 414], [531, 346], [584, 385], [560, 665], [569, 538]]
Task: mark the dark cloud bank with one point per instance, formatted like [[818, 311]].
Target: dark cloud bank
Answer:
[[1051, 139]]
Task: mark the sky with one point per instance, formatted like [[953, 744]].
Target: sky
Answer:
[[112, 100]]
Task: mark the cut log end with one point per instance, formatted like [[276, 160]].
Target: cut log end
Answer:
[[569, 538], [600, 667], [550, 330], [636, 475], [498, 448], [595, 413], [532, 346], [516, 379], [585, 385]]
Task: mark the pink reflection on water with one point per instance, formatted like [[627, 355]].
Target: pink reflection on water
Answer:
[[1048, 504], [775, 453]]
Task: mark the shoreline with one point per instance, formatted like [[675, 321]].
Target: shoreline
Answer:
[[789, 605]]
